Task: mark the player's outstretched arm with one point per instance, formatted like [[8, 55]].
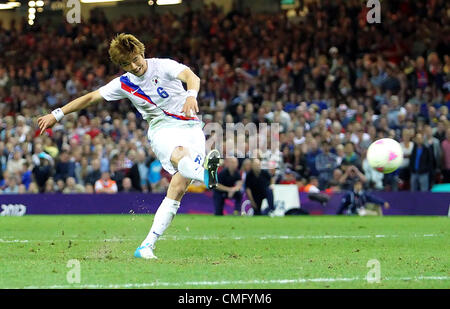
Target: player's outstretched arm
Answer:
[[78, 104], [192, 81]]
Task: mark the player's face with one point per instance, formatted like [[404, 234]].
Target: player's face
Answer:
[[136, 65]]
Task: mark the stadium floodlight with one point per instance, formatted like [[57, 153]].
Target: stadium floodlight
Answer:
[[31, 22], [32, 4], [31, 10], [39, 3], [31, 16], [168, 2], [98, 1], [9, 5]]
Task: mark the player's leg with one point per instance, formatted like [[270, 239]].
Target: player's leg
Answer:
[[168, 147], [164, 215], [188, 167]]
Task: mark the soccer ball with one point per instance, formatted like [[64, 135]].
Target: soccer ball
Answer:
[[385, 155]]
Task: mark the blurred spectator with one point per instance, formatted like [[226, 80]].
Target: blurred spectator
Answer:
[[351, 175], [127, 186], [33, 188], [15, 165], [289, 178], [60, 185], [434, 145], [64, 167], [351, 157], [257, 187], [89, 188], [446, 157], [420, 164], [11, 185], [72, 186], [117, 174], [311, 155], [50, 186], [229, 187], [407, 148], [336, 180], [3, 159], [94, 174], [154, 173], [27, 175], [440, 131], [22, 189], [42, 173], [105, 184], [299, 162], [356, 200], [246, 167], [139, 172], [326, 163], [81, 170], [312, 186], [284, 117]]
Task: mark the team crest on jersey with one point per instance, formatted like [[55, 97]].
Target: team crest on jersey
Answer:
[[155, 80]]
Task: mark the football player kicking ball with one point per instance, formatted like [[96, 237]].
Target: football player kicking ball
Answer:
[[154, 86]]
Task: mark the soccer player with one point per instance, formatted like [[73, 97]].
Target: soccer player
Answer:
[[154, 87]]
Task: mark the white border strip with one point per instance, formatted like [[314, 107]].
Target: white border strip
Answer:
[[219, 283], [184, 237]]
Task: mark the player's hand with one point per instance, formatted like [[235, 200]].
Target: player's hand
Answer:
[[46, 122], [190, 107], [386, 205]]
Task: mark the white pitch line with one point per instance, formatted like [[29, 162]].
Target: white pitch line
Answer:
[[219, 283], [184, 237], [14, 240]]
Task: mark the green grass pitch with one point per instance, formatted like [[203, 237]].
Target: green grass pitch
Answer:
[[202, 251]]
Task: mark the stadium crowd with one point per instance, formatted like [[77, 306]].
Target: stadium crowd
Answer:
[[332, 81]]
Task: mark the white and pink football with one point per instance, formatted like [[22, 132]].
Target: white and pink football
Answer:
[[385, 155]]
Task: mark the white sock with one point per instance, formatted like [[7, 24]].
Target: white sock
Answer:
[[163, 217], [190, 169]]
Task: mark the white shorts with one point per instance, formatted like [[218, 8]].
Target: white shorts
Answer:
[[165, 140]]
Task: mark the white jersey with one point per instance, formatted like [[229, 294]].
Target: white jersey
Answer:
[[158, 95]]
